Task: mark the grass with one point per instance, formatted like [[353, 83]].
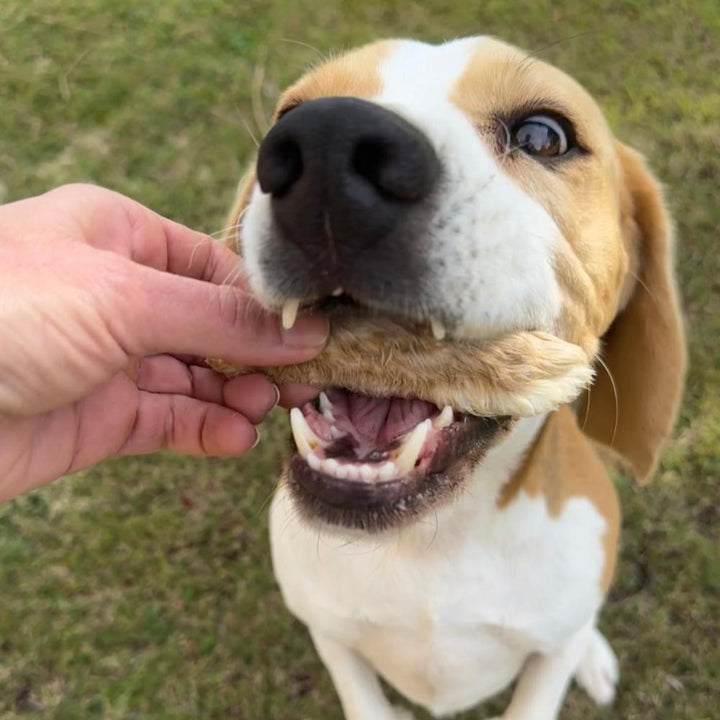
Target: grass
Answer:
[[142, 589]]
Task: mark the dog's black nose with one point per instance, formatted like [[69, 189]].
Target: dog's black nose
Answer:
[[342, 173]]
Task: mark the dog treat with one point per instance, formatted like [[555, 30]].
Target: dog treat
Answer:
[[522, 373]]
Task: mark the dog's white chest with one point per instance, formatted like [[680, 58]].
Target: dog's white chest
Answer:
[[448, 622]]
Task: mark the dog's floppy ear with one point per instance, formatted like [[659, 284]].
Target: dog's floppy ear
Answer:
[[644, 348]]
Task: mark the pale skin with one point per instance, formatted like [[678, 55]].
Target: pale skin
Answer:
[[106, 312]]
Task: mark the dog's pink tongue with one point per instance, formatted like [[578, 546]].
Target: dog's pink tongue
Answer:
[[377, 421]]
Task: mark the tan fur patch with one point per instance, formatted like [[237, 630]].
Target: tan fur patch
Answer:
[[522, 373], [355, 74], [580, 196], [562, 465]]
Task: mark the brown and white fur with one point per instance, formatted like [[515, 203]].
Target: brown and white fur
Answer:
[[566, 267]]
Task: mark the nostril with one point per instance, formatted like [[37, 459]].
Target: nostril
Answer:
[[403, 171], [369, 159], [280, 165]]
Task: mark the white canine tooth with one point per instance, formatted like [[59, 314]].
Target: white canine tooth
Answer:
[[411, 447], [298, 425], [445, 418], [314, 461], [330, 466], [326, 407], [325, 403], [289, 312], [305, 439], [387, 471], [367, 474], [337, 291], [438, 329]]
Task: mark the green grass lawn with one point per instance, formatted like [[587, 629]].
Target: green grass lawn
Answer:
[[142, 588]]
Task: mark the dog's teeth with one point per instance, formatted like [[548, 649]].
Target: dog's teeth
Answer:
[[314, 461], [337, 292], [330, 466], [445, 418], [289, 312], [305, 439], [298, 426], [326, 407], [367, 474], [341, 472], [411, 447], [387, 471], [438, 329]]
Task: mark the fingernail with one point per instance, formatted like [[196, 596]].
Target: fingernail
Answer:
[[309, 331]]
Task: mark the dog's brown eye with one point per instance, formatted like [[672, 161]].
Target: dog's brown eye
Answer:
[[540, 135]]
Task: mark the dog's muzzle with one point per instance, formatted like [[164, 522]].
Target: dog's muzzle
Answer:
[[348, 181]]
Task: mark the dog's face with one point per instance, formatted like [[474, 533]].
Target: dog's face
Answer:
[[463, 213]]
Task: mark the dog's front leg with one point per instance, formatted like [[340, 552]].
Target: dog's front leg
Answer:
[[544, 680], [355, 682]]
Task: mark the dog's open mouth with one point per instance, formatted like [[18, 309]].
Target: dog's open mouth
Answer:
[[370, 453], [371, 462]]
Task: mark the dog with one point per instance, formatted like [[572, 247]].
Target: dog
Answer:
[[497, 270]]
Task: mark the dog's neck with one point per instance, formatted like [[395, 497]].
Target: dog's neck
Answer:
[[477, 502]]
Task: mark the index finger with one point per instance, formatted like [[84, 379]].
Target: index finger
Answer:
[[168, 245], [111, 221]]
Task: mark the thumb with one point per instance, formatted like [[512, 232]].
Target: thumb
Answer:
[[184, 316]]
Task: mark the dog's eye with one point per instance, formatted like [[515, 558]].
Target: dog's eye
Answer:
[[540, 135]]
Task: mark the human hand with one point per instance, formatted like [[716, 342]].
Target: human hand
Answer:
[[105, 307]]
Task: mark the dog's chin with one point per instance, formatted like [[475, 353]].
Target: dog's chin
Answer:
[[370, 464]]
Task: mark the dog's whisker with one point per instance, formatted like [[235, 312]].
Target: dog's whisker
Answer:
[[267, 500], [643, 284], [305, 45], [222, 231], [437, 528], [233, 275], [568, 38], [247, 127], [508, 134], [261, 122], [615, 395], [200, 242], [317, 544], [587, 408]]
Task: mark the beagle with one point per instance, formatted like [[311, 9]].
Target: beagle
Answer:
[[497, 269]]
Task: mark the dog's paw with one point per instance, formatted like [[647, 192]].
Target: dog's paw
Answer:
[[598, 672]]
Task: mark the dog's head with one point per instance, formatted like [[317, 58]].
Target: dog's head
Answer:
[[480, 240]]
